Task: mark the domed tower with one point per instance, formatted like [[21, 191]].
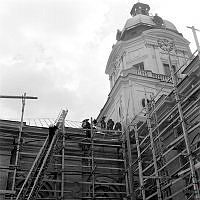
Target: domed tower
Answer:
[[137, 67]]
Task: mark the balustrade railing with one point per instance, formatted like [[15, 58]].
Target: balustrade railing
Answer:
[[149, 74]]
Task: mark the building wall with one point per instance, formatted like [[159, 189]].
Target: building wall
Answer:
[[141, 49]]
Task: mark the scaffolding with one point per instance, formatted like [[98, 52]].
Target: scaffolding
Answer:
[[157, 156], [168, 141], [84, 168]]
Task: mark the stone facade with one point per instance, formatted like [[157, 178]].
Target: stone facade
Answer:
[[137, 65]]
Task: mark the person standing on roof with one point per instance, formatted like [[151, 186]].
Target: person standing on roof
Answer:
[[110, 124], [103, 123], [118, 126], [87, 127]]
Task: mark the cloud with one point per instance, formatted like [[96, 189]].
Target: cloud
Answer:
[[57, 50], [50, 50]]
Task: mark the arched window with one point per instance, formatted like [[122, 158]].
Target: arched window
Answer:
[[143, 102]]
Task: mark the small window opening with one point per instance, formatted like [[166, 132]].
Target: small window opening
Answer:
[[167, 69], [120, 112], [139, 66]]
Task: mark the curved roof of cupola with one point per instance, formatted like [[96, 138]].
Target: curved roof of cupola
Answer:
[[169, 25], [141, 21]]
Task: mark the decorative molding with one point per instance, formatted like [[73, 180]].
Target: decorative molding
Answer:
[[166, 45]]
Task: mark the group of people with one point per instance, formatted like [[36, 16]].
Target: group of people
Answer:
[[109, 125]]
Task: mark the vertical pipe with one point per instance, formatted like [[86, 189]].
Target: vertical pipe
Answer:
[[63, 160], [130, 171], [19, 142], [196, 39], [124, 152], [153, 150], [154, 115], [139, 162], [159, 144], [92, 156], [185, 133], [125, 164]]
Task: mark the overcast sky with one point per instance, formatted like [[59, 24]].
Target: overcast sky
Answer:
[[57, 50]]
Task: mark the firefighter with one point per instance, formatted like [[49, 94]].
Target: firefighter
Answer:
[[103, 123], [118, 126], [86, 125], [52, 130], [110, 124]]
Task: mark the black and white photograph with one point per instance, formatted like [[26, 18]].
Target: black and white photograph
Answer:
[[99, 100]]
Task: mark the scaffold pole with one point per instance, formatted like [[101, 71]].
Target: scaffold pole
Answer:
[[168, 46], [195, 38], [19, 139], [139, 162], [148, 118]]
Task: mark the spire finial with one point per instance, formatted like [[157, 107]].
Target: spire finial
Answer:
[[140, 8]]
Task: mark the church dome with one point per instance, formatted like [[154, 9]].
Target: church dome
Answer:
[[138, 19], [141, 19]]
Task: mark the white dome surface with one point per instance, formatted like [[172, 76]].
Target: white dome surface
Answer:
[[169, 25], [138, 19], [145, 19]]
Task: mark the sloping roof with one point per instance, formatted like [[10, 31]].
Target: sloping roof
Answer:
[[45, 122]]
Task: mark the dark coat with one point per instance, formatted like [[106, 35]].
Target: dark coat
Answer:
[[110, 124], [118, 126], [86, 125]]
